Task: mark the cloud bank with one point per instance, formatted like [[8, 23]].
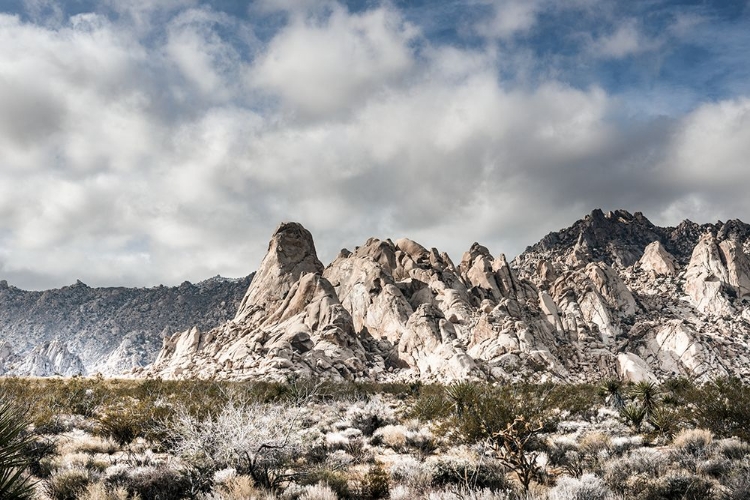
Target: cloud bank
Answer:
[[144, 146]]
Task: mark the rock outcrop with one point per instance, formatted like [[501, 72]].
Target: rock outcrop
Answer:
[[48, 360], [612, 296], [290, 323]]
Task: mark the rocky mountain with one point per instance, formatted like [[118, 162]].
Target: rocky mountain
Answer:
[[82, 330], [613, 295]]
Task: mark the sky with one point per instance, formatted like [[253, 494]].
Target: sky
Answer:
[[146, 143]]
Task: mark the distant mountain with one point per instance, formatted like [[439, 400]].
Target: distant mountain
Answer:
[[613, 295], [81, 330]]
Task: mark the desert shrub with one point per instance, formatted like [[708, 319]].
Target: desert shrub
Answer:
[[238, 488], [624, 474], [716, 467], [472, 474], [37, 453], [495, 408], [392, 436], [336, 441], [732, 448], [694, 442], [403, 492], [154, 483], [67, 484], [431, 404], [335, 480], [375, 413], [367, 422], [411, 472], [98, 491], [420, 439], [130, 419], [78, 460], [737, 483], [319, 491], [255, 439], [576, 400], [678, 486], [15, 442], [48, 421], [567, 456], [82, 396], [723, 407], [587, 487], [462, 493], [375, 483], [316, 454], [596, 448]]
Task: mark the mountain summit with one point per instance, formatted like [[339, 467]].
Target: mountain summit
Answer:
[[613, 295]]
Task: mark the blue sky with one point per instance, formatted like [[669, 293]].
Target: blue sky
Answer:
[[148, 144]]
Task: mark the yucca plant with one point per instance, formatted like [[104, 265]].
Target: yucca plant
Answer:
[[633, 414], [14, 482], [648, 394], [612, 388], [461, 395]]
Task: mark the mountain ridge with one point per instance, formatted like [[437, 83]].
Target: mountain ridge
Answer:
[[605, 297], [611, 295], [77, 329]]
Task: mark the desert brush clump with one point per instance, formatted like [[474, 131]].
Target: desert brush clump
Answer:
[[260, 440]]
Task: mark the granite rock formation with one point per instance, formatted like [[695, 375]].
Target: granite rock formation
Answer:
[[613, 295]]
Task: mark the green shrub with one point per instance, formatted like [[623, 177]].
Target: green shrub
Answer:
[[131, 419], [723, 407], [375, 484]]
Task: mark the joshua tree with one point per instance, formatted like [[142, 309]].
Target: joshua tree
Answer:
[[510, 446]]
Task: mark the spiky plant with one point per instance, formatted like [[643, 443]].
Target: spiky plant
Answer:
[[648, 394], [461, 395], [14, 482], [612, 387], [633, 414]]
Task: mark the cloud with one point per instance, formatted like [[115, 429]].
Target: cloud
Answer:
[[323, 66], [625, 40], [707, 161], [510, 17], [155, 145]]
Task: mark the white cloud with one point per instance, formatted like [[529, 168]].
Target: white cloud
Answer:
[[626, 40], [510, 17], [167, 145], [708, 160], [318, 67]]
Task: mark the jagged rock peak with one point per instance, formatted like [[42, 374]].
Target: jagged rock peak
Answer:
[[291, 254], [617, 237]]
